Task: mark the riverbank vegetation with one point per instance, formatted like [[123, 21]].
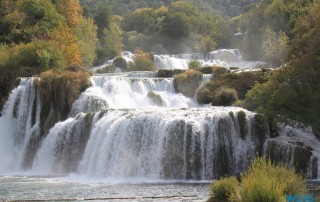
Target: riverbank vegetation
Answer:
[[263, 182]]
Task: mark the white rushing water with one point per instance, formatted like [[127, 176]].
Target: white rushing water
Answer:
[[222, 57]]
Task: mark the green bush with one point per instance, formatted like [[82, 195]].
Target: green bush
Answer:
[[62, 88], [205, 94], [225, 96], [263, 182], [142, 62], [266, 182], [194, 64], [226, 189]]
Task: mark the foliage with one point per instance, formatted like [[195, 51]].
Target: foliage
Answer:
[[112, 39], [263, 182], [298, 80], [275, 47], [267, 182], [194, 64], [71, 10], [86, 33], [240, 82], [176, 25], [62, 88], [66, 42], [142, 20], [102, 17], [225, 96], [142, 62], [206, 44], [265, 29], [225, 189]]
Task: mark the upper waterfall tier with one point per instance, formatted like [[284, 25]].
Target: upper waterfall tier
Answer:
[[125, 90], [221, 57]]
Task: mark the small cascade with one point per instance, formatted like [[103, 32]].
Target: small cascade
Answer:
[[20, 121], [222, 57], [124, 91], [297, 148]]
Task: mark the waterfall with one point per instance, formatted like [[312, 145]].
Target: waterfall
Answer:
[[134, 125], [201, 144], [19, 124], [222, 57]]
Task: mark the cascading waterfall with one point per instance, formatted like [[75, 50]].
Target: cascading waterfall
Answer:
[[222, 57], [133, 125], [199, 143]]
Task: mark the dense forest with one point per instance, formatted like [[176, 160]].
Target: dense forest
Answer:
[[38, 35]]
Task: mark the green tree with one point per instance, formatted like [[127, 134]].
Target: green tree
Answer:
[[275, 47], [176, 25], [292, 93], [142, 20], [102, 16], [113, 39], [86, 33], [206, 44]]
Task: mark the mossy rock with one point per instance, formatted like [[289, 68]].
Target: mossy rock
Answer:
[[188, 82], [168, 73], [121, 63], [164, 73], [260, 131], [224, 96], [215, 70], [242, 123], [156, 98], [204, 94], [241, 82]]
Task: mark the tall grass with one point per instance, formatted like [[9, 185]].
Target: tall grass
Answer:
[[264, 182]]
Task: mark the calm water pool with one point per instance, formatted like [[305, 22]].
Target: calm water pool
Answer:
[[75, 189]]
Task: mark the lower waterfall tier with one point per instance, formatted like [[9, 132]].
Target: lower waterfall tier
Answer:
[[199, 143]]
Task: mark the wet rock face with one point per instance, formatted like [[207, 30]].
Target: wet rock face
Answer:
[[293, 150], [156, 98], [167, 73]]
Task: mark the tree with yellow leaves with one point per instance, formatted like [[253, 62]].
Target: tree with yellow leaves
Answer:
[[71, 10], [66, 42]]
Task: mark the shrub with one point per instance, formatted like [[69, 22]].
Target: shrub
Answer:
[[225, 96], [265, 182], [241, 82], [219, 70], [226, 189], [205, 94], [187, 82], [142, 62], [194, 64]]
